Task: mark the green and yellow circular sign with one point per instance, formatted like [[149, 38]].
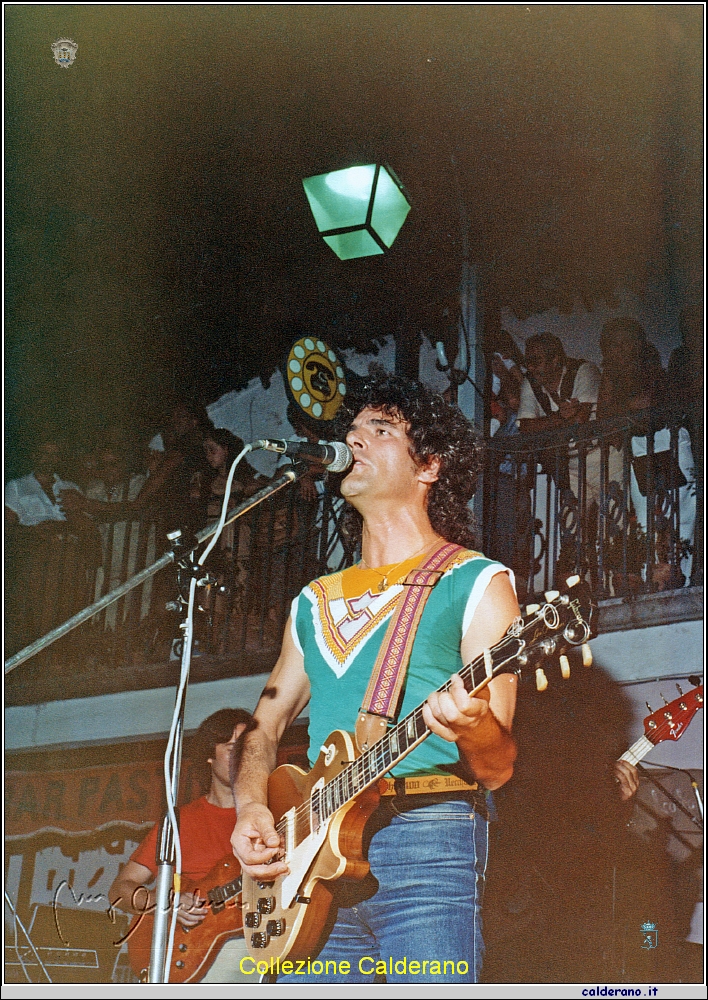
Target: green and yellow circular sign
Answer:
[[316, 378]]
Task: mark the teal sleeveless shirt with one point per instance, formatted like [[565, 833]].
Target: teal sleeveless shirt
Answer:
[[340, 638]]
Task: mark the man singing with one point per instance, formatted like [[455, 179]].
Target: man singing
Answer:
[[415, 465]]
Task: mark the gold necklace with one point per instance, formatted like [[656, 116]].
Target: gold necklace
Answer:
[[391, 572]]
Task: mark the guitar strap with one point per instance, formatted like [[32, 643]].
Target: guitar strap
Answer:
[[383, 694]]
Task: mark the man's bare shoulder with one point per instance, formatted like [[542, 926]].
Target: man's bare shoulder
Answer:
[[287, 690]]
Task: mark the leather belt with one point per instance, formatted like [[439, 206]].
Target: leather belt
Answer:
[[425, 784]]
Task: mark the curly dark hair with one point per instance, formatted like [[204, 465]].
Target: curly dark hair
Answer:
[[436, 430]]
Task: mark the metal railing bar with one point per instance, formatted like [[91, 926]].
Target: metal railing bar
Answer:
[[114, 595]]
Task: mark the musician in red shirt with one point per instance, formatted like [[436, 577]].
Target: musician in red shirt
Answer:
[[205, 830]]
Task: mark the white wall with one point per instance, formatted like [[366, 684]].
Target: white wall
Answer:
[[126, 715], [645, 653], [648, 662], [661, 651], [254, 412], [580, 330]]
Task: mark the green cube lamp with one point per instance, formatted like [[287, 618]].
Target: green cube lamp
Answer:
[[359, 211]]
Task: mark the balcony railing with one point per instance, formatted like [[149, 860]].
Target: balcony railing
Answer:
[[617, 501], [265, 558]]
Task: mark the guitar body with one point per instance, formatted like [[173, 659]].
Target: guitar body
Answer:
[[320, 816], [194, 951], [291, 912]]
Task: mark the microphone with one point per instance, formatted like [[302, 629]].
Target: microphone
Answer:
[[441, 362], [334, 455]]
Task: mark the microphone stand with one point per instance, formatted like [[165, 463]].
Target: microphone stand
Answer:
[[183, 555], [160, 960]]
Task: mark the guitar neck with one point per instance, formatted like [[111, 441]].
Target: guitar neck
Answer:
[[409, 733], [638, 750]]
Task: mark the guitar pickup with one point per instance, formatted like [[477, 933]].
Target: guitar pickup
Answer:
[[266, 904], [252, 919], [217, 899]]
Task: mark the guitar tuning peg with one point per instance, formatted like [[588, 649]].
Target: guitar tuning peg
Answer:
[[678, 688], [572, 581], [651, 710], [531, 609], [565, 666], [663, 698], [587, 655], [551, 595], [541, 679]]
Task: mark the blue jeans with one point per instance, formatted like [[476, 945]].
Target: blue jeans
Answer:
[[429, 864]]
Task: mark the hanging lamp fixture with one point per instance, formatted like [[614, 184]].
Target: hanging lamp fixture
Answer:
[[359, 211]]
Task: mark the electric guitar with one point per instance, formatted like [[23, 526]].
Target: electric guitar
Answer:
[[195, 950], [667, 723], [321, 816]]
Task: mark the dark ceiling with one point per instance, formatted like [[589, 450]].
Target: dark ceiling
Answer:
[[157, 230]]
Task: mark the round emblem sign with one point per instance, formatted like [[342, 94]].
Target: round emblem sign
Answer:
[[316, 378]]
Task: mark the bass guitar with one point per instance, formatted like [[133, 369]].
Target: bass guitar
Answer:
[[195, 950], [321, 816], [667, 723]]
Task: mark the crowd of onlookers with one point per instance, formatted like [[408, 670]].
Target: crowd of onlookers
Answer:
[[545, 390], [180, 471], [95, 501], [81, 521], [543, 384]]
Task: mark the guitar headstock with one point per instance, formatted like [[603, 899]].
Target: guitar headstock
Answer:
[[550, 629], [670, 722]]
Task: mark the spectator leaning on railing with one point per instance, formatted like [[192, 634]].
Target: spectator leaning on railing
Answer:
[[633, 381], [36, 498], [113, 487], [632, 376], [176, 455], [558, 392]]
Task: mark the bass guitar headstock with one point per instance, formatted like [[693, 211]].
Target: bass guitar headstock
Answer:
[[669, 722]]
